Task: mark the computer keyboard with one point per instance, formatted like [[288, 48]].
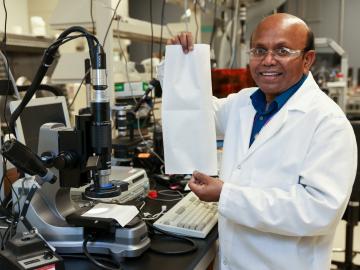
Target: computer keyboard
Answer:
[[189, 217]]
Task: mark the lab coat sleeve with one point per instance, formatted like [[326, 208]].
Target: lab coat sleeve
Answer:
[[221, 107], [219, 110], [316, 203]]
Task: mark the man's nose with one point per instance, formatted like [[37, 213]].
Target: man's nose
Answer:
[[269, 58]]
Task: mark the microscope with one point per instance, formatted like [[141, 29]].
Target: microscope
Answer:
[[79, 156]]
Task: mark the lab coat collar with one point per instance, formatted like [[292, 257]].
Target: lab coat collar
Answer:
[[299, 101], [303, 97], [247, 114]]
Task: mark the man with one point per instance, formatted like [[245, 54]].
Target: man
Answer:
[[289, 157]]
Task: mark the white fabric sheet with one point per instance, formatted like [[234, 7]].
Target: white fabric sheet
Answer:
[[187, 115]]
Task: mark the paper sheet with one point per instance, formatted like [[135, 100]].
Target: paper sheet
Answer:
[[123, 214], [187, 115]]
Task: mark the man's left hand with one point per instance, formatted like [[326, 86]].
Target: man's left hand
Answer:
[[207, 188]]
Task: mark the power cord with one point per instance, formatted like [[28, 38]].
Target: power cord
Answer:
[[196, 21], [93, 259], [92, 17], [161, 29], [78, 90], [112, 19], [193, 246], [148, 216], [83, 257], [152, 41], [214, 26], [5, 27], [3, 45], [106, 34]]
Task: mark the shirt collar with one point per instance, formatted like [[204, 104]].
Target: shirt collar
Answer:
[[258, 98]]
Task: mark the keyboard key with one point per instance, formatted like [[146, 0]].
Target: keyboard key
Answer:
[[189, 217]]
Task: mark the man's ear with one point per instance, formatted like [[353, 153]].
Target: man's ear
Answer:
[[309, 59]]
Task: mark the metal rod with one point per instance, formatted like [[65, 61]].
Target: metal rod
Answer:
[[341, 22]]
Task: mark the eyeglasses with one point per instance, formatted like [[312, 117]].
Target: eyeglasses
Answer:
[[279, 53]]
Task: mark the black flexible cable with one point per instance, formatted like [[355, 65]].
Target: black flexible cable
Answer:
[[109, 26], [64, 40], [196, 22], [84, 257], [92, 259], [193, 245], [47, 60], [214, 25], [5, 27], [2, 181], [92, 17], [1, 240], [8, 87], [78, 90], [8, 232], [89, 37], [162, 26], [13, 215], [50, 88], [3, 45], [152, 41]]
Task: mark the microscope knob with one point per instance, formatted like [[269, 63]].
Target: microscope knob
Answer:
[[47, 159], [65, 160]]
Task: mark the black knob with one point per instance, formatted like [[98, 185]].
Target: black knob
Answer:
[[65, 160], [48, 158]]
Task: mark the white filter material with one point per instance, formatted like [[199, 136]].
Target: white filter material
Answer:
[[187, 115]]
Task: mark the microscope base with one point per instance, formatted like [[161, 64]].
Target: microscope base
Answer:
[[115, 241], [121, 244], [58, 219]]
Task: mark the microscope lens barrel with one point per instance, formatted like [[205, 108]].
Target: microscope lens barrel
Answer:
[[101, 132], [101, 124]]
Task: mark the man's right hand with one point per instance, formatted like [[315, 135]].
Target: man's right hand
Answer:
[[207, 188], [184, 39]]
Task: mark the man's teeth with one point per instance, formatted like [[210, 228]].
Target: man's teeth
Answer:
[[270, 73]]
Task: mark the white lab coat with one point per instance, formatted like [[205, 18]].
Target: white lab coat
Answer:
[[283, 197]]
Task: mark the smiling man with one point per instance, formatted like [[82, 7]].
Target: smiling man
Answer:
[[282, 52], [289, 157]]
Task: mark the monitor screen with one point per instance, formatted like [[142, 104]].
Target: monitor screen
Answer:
[[36, 113]]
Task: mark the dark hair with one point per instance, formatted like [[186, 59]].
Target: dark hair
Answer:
[[310, 42]]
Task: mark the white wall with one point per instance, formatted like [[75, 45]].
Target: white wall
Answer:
[[351, 32], [44, 9], [328, 14]]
